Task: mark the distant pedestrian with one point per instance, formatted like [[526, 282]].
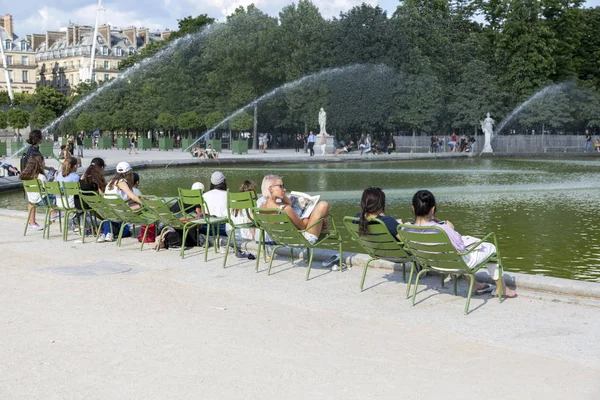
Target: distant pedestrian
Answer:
[[132, 144], [311, 143], [298, 143], [588, 141], [452, 142], [80, 145], [323, 143]]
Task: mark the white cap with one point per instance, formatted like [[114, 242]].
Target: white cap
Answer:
[[198, 186], [123, 167], [217, 177]]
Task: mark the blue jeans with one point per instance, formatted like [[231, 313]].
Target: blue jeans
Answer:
[[46, 200], [115, 228], [587, 146]]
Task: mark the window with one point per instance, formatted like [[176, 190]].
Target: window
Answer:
[[72, 65], [106, 65], [119, 52], [105, 50], [106, 77], [7, 44], [25, 76], [24, 60], [23, 46], [10, 75], [8, 60], [79, 64], [93, 77]]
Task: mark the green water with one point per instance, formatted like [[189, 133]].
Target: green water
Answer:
[[543, 211]]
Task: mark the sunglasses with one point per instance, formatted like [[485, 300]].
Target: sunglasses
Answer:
[[280, 185]]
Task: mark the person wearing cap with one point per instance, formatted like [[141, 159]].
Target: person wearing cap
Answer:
[[120, 185], [216, 198]]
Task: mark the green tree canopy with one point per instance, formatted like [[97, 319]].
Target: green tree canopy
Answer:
[[40, 117], [18, 118]]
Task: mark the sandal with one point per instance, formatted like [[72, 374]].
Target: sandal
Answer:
[[486, 289]]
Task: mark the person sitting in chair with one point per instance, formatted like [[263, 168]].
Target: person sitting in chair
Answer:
[[424, 206], [273, 191], [210, 152], [372, 205]]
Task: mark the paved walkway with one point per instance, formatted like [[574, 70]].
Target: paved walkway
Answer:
[[73, 328]]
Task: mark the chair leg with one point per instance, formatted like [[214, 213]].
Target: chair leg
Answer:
[[27, 222], [455, 281], [261, 240], [232, 233], [417, 286], [341, 255], [469, 294], [207, 242], [183, 238], [272, 258], [310, 258], [46, 232], [364, 274], [144, 238], [500, 288], [121, 230], [291, 255], [412, 270]]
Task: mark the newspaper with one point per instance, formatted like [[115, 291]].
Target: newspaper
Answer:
[[303, 204]]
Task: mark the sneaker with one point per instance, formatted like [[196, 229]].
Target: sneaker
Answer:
[[332, 260], [241, 254], [54, 217], [35, 227], [110, 237], [101, 238]]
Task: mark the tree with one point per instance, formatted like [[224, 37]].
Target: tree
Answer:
[[18, 118], [143, 121], [189, 121], [3, 120], [50, 99], [166, 122], [4, 98], [241, 122], [41, 117], [85, 122]]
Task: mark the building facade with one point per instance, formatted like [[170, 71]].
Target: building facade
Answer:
[[61, 59], [20, 59]]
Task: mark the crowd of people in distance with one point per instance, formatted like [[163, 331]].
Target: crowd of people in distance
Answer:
[[456, 145]]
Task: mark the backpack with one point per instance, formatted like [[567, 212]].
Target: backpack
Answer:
[[150, 236]]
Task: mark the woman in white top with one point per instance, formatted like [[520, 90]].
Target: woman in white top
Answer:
[[120, 185], [34, 169]]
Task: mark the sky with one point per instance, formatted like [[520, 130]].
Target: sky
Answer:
[[38, 16]]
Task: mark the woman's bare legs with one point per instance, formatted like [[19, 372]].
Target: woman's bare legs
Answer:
[[32, 216], [321, 210]]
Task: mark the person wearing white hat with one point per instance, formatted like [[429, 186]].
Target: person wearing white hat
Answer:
[[120, 185], [216, 198]]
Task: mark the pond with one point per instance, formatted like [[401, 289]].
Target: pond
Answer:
[[542, 210]]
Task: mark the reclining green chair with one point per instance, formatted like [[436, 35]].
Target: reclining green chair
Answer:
[[102, 210], [161, 210], [379, 244], [242, 202], [189, 200], [127, 215], [282, 230], [432, 248]]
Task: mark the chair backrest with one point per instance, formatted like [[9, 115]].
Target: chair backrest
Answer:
[[189, 199], [159, 208], [379, 242], [99, 205], [239, 202], [53, 188], [71, 188], [280, 227], [432, 247], [33, 186], [122, 209]]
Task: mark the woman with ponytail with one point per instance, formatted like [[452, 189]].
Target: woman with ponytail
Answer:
[[68, 171], [372, 205]]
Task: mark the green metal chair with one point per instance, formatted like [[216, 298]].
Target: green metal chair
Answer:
[[379, 244], [189, 200], [432, 248], [36, 186], [161, 210], [65, 203], [242, 202], [54, 189], [282, 230], [102, 210], [127, 215]]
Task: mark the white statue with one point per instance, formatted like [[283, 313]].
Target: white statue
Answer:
[[487, 126], [322, 121]]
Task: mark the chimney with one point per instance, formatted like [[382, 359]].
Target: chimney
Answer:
[[143, 34], [104, 31], [7, 23], [165, 34], [131, 35]]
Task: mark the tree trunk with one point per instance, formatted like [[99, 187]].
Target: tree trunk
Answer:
[[255, 134]]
